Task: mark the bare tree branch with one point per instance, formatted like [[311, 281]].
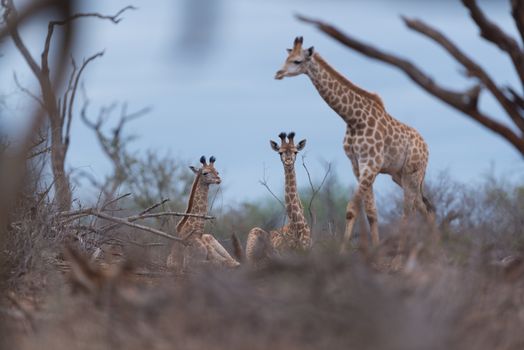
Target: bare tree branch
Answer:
[[133, 225], [472, 68], [73, 94], [314, 191], [465, 101], [10, 18], [493, 33], [51, 26], [263, 182], [517, 11], [37, 153], [55, 113], [114, 200], [113, 144], [154, 206]]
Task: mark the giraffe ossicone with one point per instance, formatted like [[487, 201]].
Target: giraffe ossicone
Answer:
[[374, 141]]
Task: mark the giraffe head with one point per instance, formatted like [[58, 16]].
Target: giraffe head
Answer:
[[287, 149], [208, 173], [296, 61]]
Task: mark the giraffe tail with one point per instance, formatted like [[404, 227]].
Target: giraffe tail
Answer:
[[430, 208], [237, 248]]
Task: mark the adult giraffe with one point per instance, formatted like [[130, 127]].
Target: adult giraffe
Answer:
[[375, 142]]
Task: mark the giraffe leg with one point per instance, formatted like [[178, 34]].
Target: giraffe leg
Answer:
[[217, 253], [367, 176], [258, 246], [411, 186], [371, 214]]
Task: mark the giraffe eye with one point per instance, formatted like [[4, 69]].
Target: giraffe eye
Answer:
[[206, 173], [297, 62]]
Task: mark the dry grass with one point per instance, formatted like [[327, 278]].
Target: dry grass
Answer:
[[323, 300]]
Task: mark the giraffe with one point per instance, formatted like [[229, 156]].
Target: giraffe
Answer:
[[202, 247], [296, 233], [374, 141]]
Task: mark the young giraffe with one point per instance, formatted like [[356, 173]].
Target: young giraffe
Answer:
[[375, 142], [202, 247], [296, 234]]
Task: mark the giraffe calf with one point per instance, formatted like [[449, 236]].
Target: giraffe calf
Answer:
[[202, 247], [296, 234]]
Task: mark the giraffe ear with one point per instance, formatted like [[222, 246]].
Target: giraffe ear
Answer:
[[310, 51], [274, 146], [195, 170], [301, 145]]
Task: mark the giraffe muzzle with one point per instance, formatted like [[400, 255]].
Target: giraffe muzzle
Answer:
[[280, 75]]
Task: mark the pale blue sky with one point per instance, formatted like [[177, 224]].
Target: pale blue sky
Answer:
[[218, 96]]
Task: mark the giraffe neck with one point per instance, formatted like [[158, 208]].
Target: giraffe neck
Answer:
[[348, 100], [197, 204], [294, 209]]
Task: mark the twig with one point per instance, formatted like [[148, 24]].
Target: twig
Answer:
[[69, 115], [133, 225], [154, 206], [36, 154], [314, 191], [263, 182], [108, 203], [27, 92], [171, 213]]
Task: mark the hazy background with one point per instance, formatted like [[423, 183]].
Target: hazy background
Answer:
[[206, 68]]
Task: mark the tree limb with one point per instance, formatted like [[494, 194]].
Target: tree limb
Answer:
[[493, 33], [51, 26], [11, 19], [93, 212], [472, 67], [517, 11], [73, 94]]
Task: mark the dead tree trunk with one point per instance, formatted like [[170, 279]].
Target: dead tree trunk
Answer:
[[59, 111]]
